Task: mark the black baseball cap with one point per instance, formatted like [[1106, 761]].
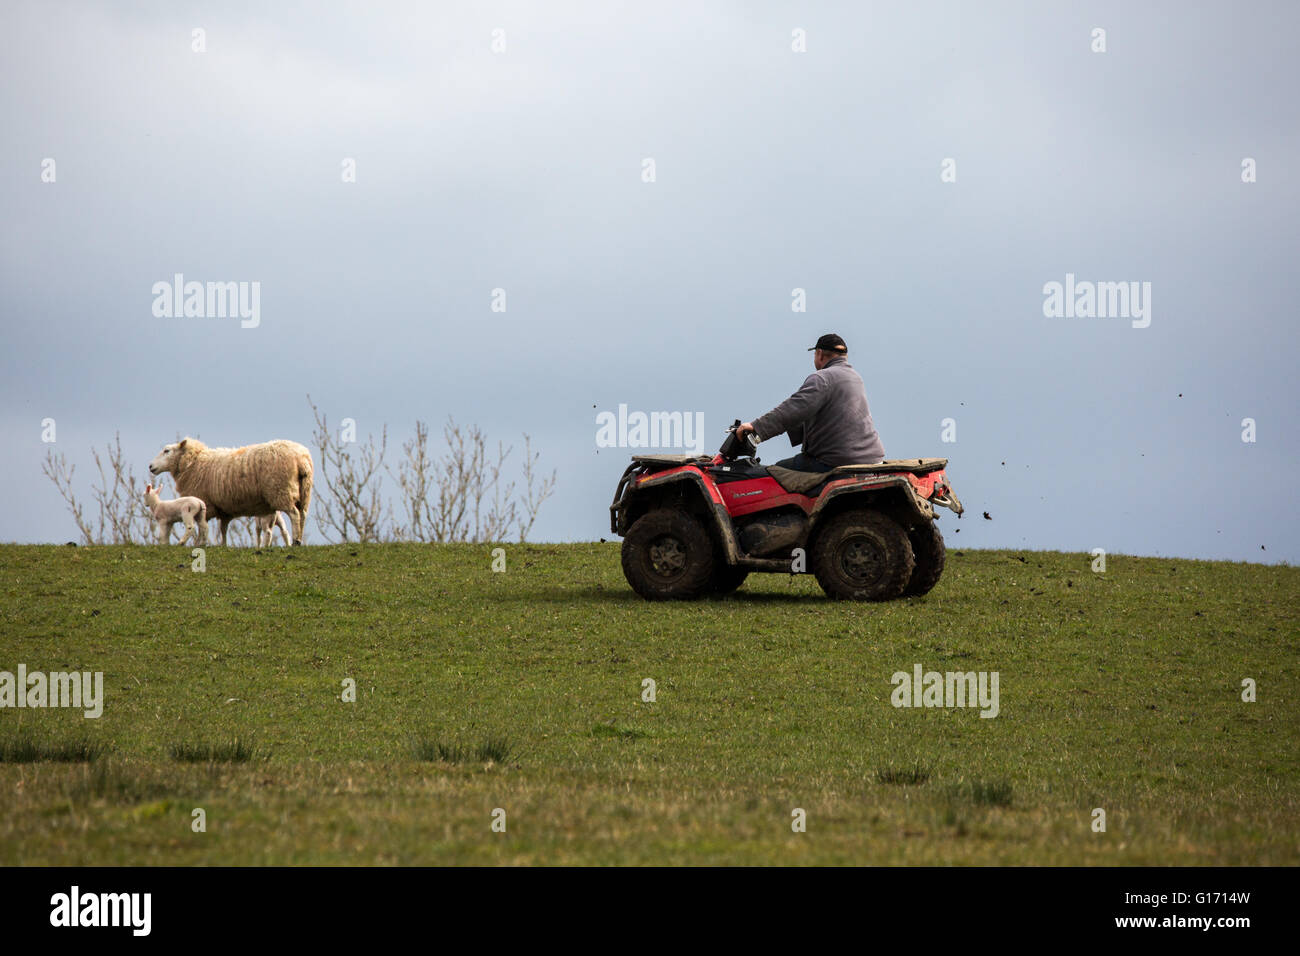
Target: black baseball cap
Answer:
[[830, 342]]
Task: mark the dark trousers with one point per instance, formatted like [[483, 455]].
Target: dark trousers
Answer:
[[802, 462]]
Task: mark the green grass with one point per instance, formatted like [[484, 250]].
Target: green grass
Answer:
[[490, 750], [989, 793], [620, 733], [198, 751], [523, 691], [21, 745], [906, 776]]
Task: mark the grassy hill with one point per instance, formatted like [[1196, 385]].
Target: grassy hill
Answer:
[[523, 691]]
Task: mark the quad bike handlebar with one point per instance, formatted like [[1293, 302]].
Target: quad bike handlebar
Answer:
[[733, 447]]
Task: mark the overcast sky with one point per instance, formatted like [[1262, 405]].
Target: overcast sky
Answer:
[[524, 169]]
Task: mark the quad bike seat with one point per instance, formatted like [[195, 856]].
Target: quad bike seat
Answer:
[[803, 482]]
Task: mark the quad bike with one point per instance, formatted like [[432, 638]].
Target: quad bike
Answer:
[[693, 526]]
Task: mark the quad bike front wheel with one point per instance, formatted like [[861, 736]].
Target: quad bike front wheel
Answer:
[[927, 546], [863, 556], [668, 555]]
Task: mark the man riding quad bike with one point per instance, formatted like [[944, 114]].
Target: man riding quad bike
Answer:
[[694, 525]]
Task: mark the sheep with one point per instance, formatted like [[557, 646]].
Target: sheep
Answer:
[[167, 513], [266, 525], [242, 482]]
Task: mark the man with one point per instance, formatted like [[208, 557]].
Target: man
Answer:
[[828, 416]]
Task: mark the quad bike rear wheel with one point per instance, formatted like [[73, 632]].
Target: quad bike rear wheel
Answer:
[[863, 556], [668, 555], [927, 547]]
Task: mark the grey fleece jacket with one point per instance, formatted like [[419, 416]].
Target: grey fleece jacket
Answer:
[[829, 417]]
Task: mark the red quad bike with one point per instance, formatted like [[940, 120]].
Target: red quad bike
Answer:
[[694, 526]]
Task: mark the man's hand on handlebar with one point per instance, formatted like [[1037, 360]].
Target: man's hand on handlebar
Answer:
[[743, 428]]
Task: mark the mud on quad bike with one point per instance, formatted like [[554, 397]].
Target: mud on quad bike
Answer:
[[693, 526]]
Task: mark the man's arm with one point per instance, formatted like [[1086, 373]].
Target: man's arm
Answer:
[[791, 414], [795, 433]]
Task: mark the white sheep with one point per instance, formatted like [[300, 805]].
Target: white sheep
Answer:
[[190, 510], [242, 482], [266, 525]]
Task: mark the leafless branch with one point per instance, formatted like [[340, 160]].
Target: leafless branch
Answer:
[[352, 503]]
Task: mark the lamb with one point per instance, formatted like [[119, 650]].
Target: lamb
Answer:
[[252, 481], [266, 525], [167, 513]]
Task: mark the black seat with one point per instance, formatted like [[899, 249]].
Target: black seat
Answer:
[[798, 482], [805, 482]]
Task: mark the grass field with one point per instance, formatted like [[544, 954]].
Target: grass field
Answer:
[[522, 691]]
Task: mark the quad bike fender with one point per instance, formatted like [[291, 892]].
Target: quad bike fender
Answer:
[[904, 496], [637, 495]]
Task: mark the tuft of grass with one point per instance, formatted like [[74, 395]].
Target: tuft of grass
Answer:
[[25, 747], [989, 793], [904, 776], [494, 750], [235, 750], [435, 751], [622, 733], [108, 780], [491, 749]]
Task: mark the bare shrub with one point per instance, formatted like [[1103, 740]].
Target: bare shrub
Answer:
[[121, 516], [57, 469], [463, 495], [536, 490], [352, 504], [414, 477]]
